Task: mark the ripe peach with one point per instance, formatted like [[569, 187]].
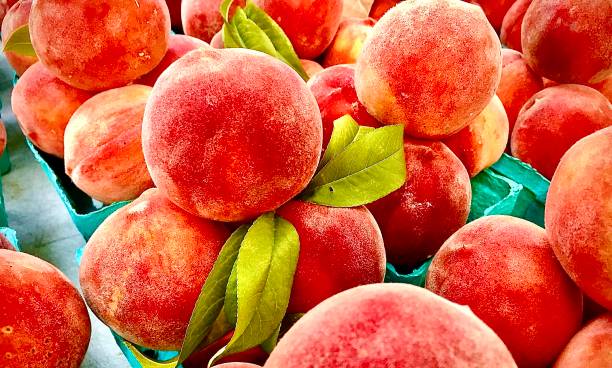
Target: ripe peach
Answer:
[[17, 16], [43, 320], [495, 10], [144, 267], [381, 7], [340, 248], [128, 39], [202, 19], [590, 347], [579, 215], [431, 65], [605, 87], [334, 89], [102, 145], [5, 243], [311, 67], [504, 270], [511, 26], [482, 143], [178, 46], [389, 325], [257, 128], [3, 137], [553, 120], [348, 42], [568, 41], [309, 24], [43, 105], [217, 41], [433, 203]]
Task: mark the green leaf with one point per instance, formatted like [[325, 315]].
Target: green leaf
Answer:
[[231, 37], [271, 341], [231, 298], [19, 42], [252, 36], [344, 133], [368, 169]]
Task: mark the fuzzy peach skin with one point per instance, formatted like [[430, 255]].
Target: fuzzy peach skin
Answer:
[[389, 325], [578, 215], [43, 105], [125, 39], [230, 134], [144, 267], [310, 24], [311, 67], [340, 248], [43, 319], [430, 65], [568, 41], [433, 203], [495, 10], [202, 19], [3, 137], [178, 46], [518, 83], [217, 41], [346, 46], [605, 87], [202, 356], [503, 268], [102, 145], [511, 26], [380, 7], [17, 16], [334, 89], [591, 347], [5, 243], [482, 143], [553, 120]]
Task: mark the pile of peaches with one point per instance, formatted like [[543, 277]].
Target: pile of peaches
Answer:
[[269, 189]]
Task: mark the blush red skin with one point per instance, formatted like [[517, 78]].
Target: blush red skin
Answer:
[[17, 16], [578, 215], [248, 358], [311, 67], [217, 41], [552, 120], [605, 87], [590, 347], [503, 268], [348, 42], [568, 41], [202, 19], [340, 248], [3, 138], [309, 24], [380, 7], [5, 244], [433, 203], [143, 269], [119, 58], [258, 144], [48, 319], [495, 10], [511, 26], [334, 89]]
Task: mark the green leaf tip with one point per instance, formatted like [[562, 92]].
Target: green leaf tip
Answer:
[[19, 42]]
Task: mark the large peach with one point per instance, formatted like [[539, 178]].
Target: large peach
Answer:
[[311, 67], [126, 39], [102, 145], [17, 16], [348, 42], [433, 203], [579, 215], [43, 320], [553, 120], [202, 18], [495, 10], [504, 269], [144, 267], [389, 325], [511, 26], [43, 105], [230, 134], [309, 24], [568, 41], [431, 65], [590, 347]]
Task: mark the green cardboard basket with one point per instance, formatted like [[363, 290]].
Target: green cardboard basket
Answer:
[[3, 216]]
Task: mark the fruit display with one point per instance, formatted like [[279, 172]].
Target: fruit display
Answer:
[[316, 183]]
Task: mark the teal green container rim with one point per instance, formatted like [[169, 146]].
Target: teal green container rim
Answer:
[[3, 214]]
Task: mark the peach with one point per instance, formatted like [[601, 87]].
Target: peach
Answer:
[[568, 41], [311, 67], [433, 203], [127, 39], [201, 357], [348, 42], [202, 18], [431, 65], [5, 243], [518, 83], [511, 26], [503, 268], [178, 46], [381, 7], [256, 124], [310, 24], [217, 41], [174, 7], [482, 143], [578, 215], [102, 145], [43, 105], [605, 87], [144, 267], [389, 325], [495, 10], [590, 347], [18, 15], [334, 89], [340, 248], [549, 83], [3, 138], [552, 120], [43, 320]]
